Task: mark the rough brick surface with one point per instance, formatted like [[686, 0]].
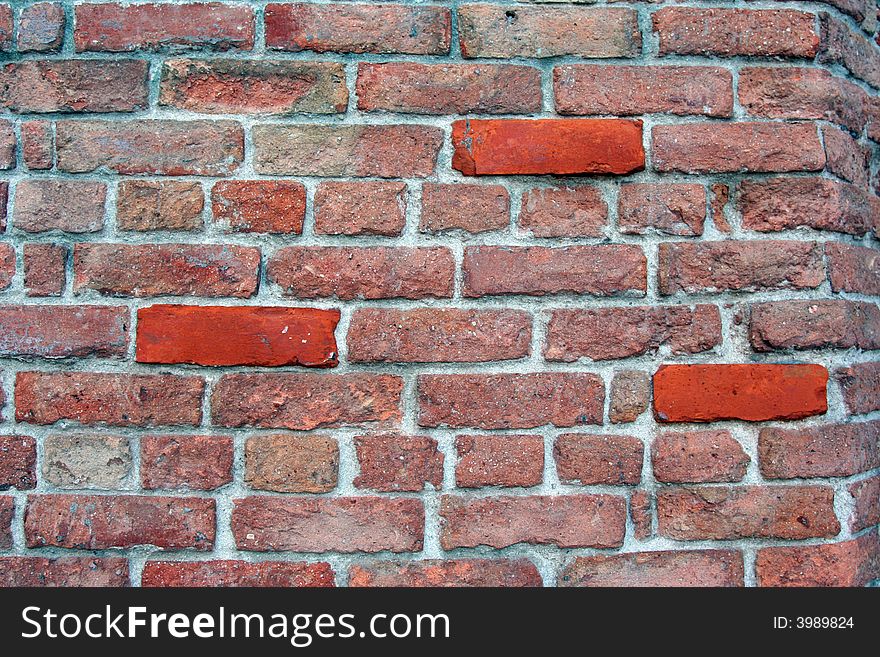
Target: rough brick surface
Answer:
[[605, 459], [391, 463], [458, 572], [866, 503], [672, 209], [189, 462], [860, 386], [630, 394], [259, 206], [850, 563], [171, 574], [164, 205], [41, 27], [64, 571], [86, 461], [834, 450], [693, 457], [63, 205], [472, 208], [291, 464], [662, 568], [814, 325], [563, 212], [63, 331], [360, 208], [18, 462], [509, 461]]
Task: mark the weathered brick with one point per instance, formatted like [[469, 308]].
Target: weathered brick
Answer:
[[305, 401], [851, 563], [291, 464], [694, 457], [853, 268], [7, 145], [45, 269], [18, 462], [831, 450], [563, 520], [113, 399], [53, 331], [38, 144], [563, 212], [747, 266], [438, 335], [574, 334], [7, 514], [72, 206], [74, 85], [641, 514], [860, 386], [472, 208], [265, 336], [363, 273], [190, 462], [510, 401], [86, 461], [598, 459], [718, 200], [630, 394], [146, 270], [360, 208], [159, 205], [259, 206], [836, 324], [661, 568], [509, 461], [338, 524], [733, 147], [500, 31], [150, 146], [736, 32], [437, 573], [866, 504], [634, 90], [847, 158], [391, 463], [64, 571], [164, 27], [383, 151], [6, 27], [547, 146], [229, 573], [719, 513], [41, 27], [670, 208], [359, 28], [230, 86], [90, 522], [7, 265], [841, 45], [752, 392]]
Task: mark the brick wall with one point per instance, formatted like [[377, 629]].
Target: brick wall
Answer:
[[452, 293]]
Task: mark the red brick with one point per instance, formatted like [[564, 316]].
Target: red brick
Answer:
[[391, 463], [360, 208], [670, 208], [835, 324], [305, 401], [574, 334], [500, 31], [41, 27], [291, 464], [38, 144], [358, 28], [259, 206], [858, 9], [565, 521], [74, 85], [113, 399], [45, 269], [287, 574], [437, 573], [262, 86], [363, 273], [719, 513], [382, 151], [720, 195], [831, 450], [6, 28], [634, 90], [190, 462], [547, 146], [428, 335], [64, 571], [338, 524], [412, 88], [847, 158], [735, 147], [99, 522], [662, 568], [598, 459], [228, 335], [853, 268], [159, 147], [72, 206], [736, 32], [860, 386], [743, 266], [630, 395], [784, 203], [841, 45], [18, 462], [509, 461], [752, 392], [7, 145], [472, 208], [7, 265], [641, 514], [7, 514], [164, 26], [143, 205], [146, 270], [510, 401], [53, 331], [694, 457], [563, 212], [851, 563], [866, 503]]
